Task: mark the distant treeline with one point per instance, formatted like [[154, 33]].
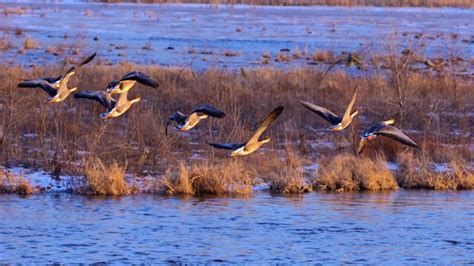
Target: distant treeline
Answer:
[[381, 3]]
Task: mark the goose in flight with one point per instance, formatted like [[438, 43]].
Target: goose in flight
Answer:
[[239, 149], [186, 122], [386, 129], [56, 87], [128, 81], [337, 123], [114, 108]]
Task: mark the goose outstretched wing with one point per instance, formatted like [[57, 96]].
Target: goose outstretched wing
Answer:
[[209, 110], [326, 114], [266, 123], [38, 83], [227, 146], [140, 78], [100, 96], [396, 134]]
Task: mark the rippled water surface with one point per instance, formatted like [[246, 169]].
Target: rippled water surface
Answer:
[[396, 227]]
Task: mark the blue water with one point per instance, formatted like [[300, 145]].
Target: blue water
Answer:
[[403, 227], [249, 31]]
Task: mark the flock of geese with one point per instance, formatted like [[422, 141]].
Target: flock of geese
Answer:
[[58, 90]]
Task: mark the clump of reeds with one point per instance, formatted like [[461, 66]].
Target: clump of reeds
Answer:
[[13, 11], [297, 54], [421, 172], [10, 183], [56, 49], [289, 180], [283, 57], [30, 43], [18, 32], [207, 178], [266, 57], [5, 43], [322, 56], [230, 53], [289, 177], [102, 179], [346, 172]]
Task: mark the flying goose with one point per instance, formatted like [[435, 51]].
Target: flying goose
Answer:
[[385, 129], [56, 88], [128, 81], [186, 122], [114, 107], [239, 149], [337, 123]]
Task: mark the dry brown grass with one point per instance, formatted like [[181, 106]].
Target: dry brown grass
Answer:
[[10, 183], [420, 172], [346, 172], [385, 3], [288, 175], [207, 178], [102, 179]]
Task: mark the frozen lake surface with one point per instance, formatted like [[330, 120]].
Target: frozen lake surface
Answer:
[[203, 36], [402, 227]]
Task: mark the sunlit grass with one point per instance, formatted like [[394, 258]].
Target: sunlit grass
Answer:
[[346, 172], [11, 183]]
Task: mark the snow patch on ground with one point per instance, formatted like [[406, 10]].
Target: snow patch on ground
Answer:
[[44, 181]]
